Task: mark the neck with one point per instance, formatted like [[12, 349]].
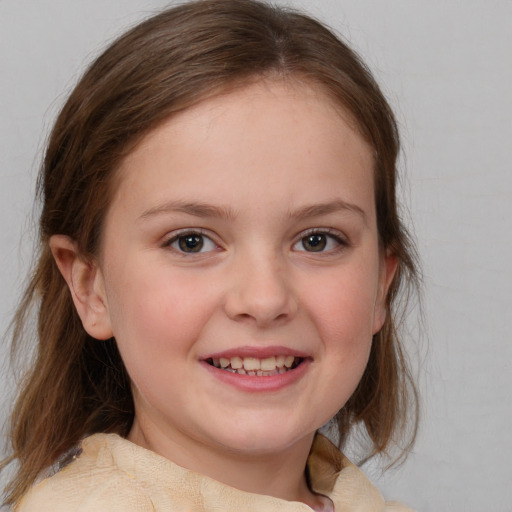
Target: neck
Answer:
[[281, 475]]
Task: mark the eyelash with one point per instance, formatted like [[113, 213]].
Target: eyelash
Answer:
[[182, 235], [330, 234]]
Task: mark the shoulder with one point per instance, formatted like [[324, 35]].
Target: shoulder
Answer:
[[91, 483], [395, 506], [332, 474]]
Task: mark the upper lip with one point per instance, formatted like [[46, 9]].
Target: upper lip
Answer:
[[257, 352]]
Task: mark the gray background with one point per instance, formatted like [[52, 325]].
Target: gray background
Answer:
[[446, 68]]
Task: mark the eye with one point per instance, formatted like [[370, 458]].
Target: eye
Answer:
[[319, 241], [191, 243]]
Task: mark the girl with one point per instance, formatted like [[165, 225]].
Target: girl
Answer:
[[219, 263]]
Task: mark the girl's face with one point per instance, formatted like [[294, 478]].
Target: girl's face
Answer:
[[241, 272]]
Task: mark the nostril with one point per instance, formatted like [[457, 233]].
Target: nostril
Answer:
[[262, 302]]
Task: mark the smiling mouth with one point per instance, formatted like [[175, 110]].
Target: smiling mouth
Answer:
[[255, 367]]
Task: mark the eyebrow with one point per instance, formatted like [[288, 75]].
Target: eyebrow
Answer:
[[203, 210], [196, 209], [337, 205]]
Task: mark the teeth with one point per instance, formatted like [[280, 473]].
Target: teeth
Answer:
[[268, 364], [288, 362], [251, 363], [253, 366], [236, 363]]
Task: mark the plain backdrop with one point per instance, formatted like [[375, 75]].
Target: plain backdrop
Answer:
[[446, 68]]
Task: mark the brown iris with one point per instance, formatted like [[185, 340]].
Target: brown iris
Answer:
[[191, 243], [314, 243]]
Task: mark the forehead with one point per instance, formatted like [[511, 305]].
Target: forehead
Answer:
[[279, 138], [241, 96]]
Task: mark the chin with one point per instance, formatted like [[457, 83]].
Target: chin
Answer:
[[263, 439]]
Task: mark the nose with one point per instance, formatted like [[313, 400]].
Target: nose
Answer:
[[261, 291]]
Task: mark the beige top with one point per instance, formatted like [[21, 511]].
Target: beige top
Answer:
[[113, 474]]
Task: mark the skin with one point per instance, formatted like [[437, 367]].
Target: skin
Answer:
[[275, 163]]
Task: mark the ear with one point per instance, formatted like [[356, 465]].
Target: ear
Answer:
[[387, 270], [85, 281]]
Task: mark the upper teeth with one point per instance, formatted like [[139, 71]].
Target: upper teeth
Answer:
[[266, 364]]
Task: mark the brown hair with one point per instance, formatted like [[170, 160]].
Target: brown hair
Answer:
[[77, 385]]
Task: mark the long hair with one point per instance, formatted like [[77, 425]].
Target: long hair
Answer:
[[78, 385]]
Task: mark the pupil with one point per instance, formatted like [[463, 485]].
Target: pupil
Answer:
[[191, 243], [314, 243]]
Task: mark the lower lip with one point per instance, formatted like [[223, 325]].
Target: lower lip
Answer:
[[254, 384]]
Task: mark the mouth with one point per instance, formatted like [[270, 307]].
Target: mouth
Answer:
[[257, 367]]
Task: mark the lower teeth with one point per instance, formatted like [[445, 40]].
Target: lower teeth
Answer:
[[257, 373]]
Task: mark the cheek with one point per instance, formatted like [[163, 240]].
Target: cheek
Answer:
[[154, 313], [345, 303], [347, 338], [343, 310]]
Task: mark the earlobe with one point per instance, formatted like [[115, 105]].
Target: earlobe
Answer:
[[85, 281], [387, 271]]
